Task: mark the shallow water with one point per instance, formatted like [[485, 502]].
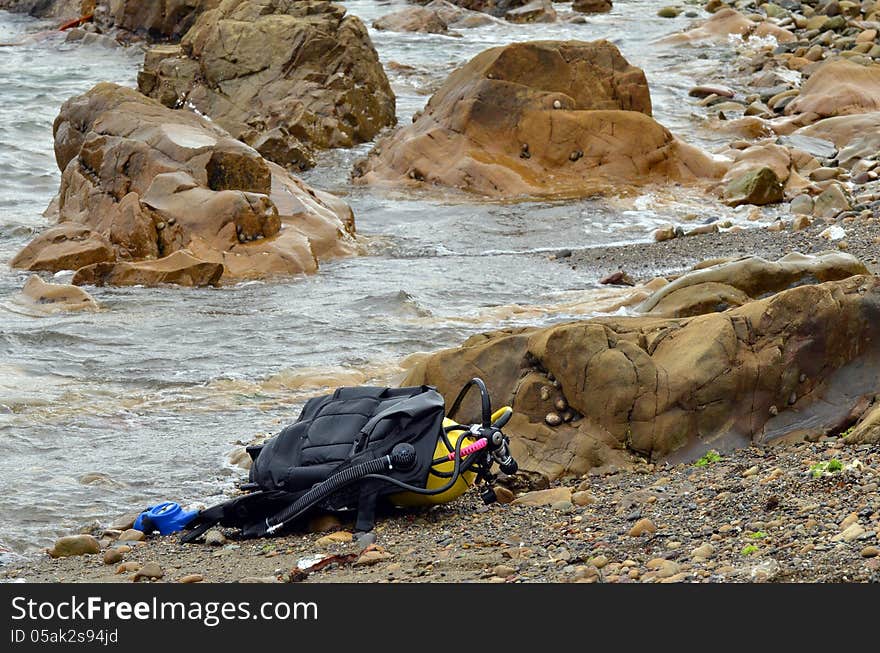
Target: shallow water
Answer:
[[155, 389]]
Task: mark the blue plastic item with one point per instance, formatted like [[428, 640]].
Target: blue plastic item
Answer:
[[167, 517]]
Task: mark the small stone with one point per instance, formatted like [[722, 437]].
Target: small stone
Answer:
[[74, 545], [132, 535], [191, 578], [664, 233], [124, 522], [582, 498], [800, 223], [339, 537], [503, 571], [215, 538], [150, 571], [870, 552], [853, 532], [545, 393], [127, 567], [644, 525], [704, 551], [112, 556], [584, 572], [849, 520], [544, 497], [801, 205], [751, 471], [553, 419], [824, 174], [561, 404], [503, 495], [599, 561], [663, 568], [669, 12], [557, 104], [373, 556], [160, 226]]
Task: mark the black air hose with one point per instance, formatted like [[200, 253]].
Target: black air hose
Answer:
[[325, 489]]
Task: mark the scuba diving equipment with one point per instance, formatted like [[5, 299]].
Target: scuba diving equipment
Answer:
[[361, 444], [167, 517]]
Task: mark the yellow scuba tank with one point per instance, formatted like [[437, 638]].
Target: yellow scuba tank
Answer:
[[446, 466]]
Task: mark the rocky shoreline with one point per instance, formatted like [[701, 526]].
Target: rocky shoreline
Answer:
[[725, 431], [755, 515]]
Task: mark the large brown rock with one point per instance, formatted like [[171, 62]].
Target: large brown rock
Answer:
[[734, 283], [157, 20], [796, 364], [857, 136], [285, 77], [180, 268], [542, 118], [837, 88], [493, 7], [412, 19], [141, 182], [68, 246]]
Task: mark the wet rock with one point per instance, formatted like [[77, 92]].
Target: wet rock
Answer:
[[760, 186], [132, 535], [129, 164], [544, 497], [235, 67], [124, 522], [68, 246], [669, 12], [728, 22], [471, 132], [112, 556], [553, 419], [705, 91], [642, 526], [180, 268], [537, 11], [619, 278], [157, 19], [413, 19], [74, 545], [592, 6], [53, 297], [461, 18], [665, 233]]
